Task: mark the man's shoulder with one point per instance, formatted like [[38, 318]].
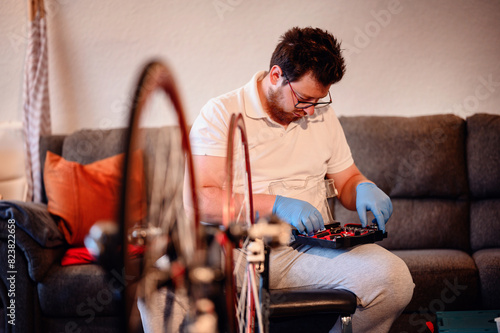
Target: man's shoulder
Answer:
[[228, 97], [225, 102], [238, 95]]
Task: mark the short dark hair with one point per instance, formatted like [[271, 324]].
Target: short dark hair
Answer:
[[303, 50]]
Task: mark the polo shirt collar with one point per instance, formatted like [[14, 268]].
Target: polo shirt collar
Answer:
[[253, 106]]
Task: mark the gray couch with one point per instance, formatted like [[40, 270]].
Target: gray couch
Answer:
[[442, 172], [443, 176]]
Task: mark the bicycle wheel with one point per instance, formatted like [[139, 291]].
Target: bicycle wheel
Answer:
[[244, 292], [167, 230]]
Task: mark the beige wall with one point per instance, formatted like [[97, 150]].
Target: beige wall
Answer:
[[405, 58]]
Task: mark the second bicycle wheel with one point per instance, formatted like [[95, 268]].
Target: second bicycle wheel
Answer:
[[244, 288]]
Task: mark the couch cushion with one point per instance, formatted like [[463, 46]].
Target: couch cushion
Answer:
[[483, 155], [410, 157], [79, 291], [488, 264], [485, 224], [445, 280], [421, 224]]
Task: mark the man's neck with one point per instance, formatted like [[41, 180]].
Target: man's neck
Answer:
[[262, 89]]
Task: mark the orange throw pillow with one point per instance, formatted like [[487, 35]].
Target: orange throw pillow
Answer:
[[82, 195]]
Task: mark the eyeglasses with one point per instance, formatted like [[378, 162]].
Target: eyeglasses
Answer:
[[322, 103]]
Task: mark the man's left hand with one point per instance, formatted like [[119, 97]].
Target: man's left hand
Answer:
[[370, 198]]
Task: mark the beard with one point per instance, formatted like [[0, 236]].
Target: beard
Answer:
[[276, 112]]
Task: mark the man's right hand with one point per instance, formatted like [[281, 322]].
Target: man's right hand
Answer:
[[300, 214]]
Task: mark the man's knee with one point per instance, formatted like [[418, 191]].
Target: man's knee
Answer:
[[399, 286]]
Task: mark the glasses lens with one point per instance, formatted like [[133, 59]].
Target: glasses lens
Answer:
[[324, 102], [303, 105], [320, 104]]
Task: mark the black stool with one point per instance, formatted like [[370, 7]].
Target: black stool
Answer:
[[316, 310]]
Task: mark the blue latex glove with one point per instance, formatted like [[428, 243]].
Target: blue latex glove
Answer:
[[370, 197], [300, 214]]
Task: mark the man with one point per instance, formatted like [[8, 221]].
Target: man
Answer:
[[294, 135]]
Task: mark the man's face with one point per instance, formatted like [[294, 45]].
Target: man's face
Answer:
[[282, 100]]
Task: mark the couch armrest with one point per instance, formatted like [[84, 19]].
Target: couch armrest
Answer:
[[36, 235], [34, 219]]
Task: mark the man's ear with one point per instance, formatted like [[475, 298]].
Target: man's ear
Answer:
[[275, 74]]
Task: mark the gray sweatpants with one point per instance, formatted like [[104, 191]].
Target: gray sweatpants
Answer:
[[381, 281]]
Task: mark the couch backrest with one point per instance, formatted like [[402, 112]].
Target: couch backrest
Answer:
[[52, 143], [483, 155], [87, 146], [420, 163], [84, 146]]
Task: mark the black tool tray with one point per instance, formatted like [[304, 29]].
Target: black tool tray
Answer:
[[336, 236]]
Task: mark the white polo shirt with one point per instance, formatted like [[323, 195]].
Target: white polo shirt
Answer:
[[306, 150]]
